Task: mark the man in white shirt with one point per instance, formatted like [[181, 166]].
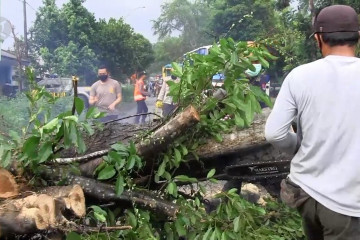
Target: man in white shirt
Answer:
[[324, 97]]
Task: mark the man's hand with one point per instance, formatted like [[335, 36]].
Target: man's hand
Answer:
[[93, 100], [112, 107]]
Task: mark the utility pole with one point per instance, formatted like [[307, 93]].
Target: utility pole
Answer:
[[25, 30]]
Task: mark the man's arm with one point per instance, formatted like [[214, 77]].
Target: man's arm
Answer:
[[118, 97], [93, 99], [278, 130], [162, 92]]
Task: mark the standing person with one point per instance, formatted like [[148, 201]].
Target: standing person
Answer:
[[140, 97], [164, 101], [105, 94], [324, 179]]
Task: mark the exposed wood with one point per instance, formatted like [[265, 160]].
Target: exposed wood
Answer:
[[73, 197], [165, 135], [41, 211], [8, 186], [141, 198]]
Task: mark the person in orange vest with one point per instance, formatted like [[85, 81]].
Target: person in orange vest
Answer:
[[139, 97]]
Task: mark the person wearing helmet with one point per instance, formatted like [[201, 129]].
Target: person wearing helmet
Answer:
[[165, 101], [323, 96]]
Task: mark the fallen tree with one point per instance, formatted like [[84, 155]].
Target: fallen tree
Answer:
[[134, 171]]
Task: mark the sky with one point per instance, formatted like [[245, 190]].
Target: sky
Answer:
[[137, 13]]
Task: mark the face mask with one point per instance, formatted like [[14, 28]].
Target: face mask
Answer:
[[103, 77], [254, 73]]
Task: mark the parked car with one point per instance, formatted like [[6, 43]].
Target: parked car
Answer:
[[61, 87]]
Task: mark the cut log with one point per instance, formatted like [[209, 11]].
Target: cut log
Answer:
[[166, 134], [8, 185], [27, 220], [73, 197], [41, 211], [141, 198]]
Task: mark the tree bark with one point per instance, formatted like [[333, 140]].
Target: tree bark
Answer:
[[41, 211], [141, 198]]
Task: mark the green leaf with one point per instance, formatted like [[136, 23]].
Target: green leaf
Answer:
[[183, 178], [263, 62], [79, 105], [184, 150], [131, 162], [107, 173], [14, 136], [99, 217], [177, 71], [211, 173], [213, 235], [5, 157], [207, 234], [91, 112], [73, 236], [132, 148], [30, 147], [119, 186], [218, 137], [131, 219], [119, 147], [51, 126], [177, 155], [45, 152], [99, 213], [180, 228], [161, 169], [172, 189], [80, 142], [71, 118], [223, 236], [88, 128], [236, 224], [239, 121]]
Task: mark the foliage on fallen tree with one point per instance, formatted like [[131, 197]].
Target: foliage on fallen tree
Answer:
[[234, 218]]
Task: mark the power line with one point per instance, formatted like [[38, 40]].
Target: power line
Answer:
[[28, 5]]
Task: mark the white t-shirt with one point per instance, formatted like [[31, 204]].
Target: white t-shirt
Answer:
[[324, 96]]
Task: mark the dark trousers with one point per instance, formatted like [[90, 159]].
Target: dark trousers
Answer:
[[108, 118], [141, 108], [319, 222], [168, 109]]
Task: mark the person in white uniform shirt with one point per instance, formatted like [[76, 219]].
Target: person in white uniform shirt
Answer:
[[324, 97]]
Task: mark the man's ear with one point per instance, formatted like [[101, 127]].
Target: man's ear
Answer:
[[318, 38]]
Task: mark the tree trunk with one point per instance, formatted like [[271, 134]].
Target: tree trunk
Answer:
[[41, 211]]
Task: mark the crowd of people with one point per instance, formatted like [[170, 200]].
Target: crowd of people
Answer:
[[106, 94]]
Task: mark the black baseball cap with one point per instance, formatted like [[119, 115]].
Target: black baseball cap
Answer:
[[336, 18]]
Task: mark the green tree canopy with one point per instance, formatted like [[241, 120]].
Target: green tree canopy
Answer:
[[70, 41]]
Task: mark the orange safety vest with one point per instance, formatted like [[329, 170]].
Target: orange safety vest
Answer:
[[137, 93]]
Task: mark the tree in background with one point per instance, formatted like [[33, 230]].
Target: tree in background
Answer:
[[188, 18], [124, 51], [70, 41], [243, 20], [166, 51]]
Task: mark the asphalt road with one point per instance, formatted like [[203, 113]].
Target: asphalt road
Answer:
[[129, 108]]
